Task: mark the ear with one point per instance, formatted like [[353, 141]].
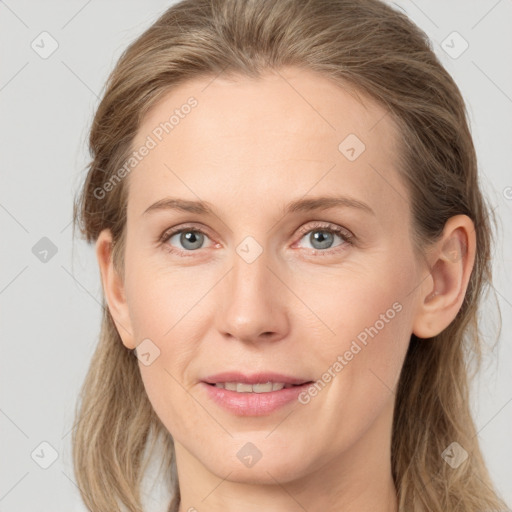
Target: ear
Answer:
[[113, 288], [451, 262]]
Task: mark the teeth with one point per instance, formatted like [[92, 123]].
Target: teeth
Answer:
[[241, 387], [263, 388]]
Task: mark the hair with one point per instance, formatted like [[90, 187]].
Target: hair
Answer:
[[378, 52]]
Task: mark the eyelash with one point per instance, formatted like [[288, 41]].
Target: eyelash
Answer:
[[345, 235]]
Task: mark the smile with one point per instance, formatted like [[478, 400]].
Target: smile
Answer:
[[257, 394], [242, 387]]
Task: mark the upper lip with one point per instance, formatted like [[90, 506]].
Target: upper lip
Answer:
[[253, 378]]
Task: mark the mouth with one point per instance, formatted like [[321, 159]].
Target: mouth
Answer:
[[253, 395], [242, 387]]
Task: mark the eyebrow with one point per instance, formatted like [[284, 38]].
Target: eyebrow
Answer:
[[299, 205]]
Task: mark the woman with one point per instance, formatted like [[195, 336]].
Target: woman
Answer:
[[293, 246]]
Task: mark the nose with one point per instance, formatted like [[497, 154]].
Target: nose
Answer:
[[252, 303]]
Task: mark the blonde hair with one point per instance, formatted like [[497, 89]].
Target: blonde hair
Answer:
[[375, 50]]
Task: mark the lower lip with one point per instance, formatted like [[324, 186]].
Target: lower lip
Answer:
[[253, 404]]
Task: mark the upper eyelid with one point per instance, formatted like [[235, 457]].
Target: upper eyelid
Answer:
[[179, 229], [327, 226]]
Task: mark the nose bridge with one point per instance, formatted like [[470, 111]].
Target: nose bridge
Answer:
[[250, 304], [250, 272]]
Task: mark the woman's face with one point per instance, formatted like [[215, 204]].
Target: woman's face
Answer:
[[290, 260]]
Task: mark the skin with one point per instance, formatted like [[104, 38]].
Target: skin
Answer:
[[249, 148]]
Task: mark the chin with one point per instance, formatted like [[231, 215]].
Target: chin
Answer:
[[248, 466]]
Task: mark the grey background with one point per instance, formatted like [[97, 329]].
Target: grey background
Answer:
[[50, 311]]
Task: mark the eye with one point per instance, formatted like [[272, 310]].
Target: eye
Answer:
[[322, 237], [184, 239]]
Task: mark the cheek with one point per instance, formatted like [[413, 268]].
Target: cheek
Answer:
[[172, 401], [164, 308], [359, 303], [359, 366], [369, 312], [159, 297]]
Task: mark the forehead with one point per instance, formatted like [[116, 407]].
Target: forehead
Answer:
[[281, 136]]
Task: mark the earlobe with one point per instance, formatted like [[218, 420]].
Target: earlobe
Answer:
[[441, 296], [113, 288]]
